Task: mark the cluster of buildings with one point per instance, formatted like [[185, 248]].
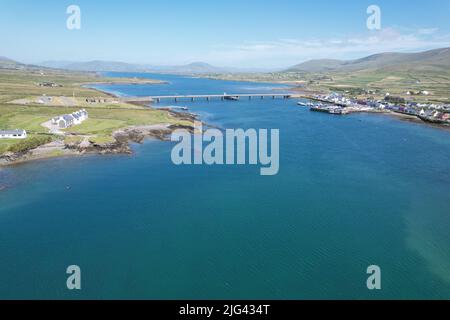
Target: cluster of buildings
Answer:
[[69, 120], [436, 113], [49, 85], [13, 134], [96, 100], [423, 92], [62, 122], [336, 98]]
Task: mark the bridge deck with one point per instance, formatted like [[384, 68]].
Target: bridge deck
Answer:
[[207, 96]]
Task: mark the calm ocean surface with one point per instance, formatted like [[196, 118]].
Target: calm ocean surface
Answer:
[[351, 192]]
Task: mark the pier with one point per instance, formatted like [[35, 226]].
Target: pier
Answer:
[[208, 97]]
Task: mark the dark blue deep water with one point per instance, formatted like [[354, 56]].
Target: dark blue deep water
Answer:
[[352, 191]]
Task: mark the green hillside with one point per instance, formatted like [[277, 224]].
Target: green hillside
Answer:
[[432, 59]]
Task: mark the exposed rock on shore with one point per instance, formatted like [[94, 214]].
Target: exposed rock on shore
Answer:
[[119, 145], [52, 149]]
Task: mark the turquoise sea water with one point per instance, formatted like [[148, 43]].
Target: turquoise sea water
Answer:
[[351, 192]]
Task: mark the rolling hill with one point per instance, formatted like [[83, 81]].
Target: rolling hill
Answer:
[[6, 63], [432, 59], [196, 67], [96, 65]]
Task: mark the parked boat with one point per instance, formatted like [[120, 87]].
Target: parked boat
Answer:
[[434, 121], [318, 109], [328, 109], [233, 98], [337, 111]]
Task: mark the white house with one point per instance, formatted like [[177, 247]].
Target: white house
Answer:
[[13, 134], [68, 120], [64, 121], [80, 116]]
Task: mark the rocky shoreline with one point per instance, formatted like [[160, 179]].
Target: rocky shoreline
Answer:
[[120, 145], [121, 137]]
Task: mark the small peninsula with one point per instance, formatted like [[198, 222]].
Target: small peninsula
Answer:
[[31, 98]]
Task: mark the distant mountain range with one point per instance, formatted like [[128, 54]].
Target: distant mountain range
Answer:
[[432, 60], [427, 60], [391, 61], [6, 63], [192, 68], [114, 66], [98, 66]]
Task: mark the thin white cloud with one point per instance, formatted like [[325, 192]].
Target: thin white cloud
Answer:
[[285, 52], [425, 31]]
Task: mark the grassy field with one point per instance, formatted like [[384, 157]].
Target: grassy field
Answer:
[[32, 141], [396, 82], [20, 84], [103, 118], [15, 84], [6, 144], [104, 123], [101, 123]]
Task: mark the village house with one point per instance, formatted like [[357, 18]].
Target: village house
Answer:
[[426, 113], [13, 134], [438, 115], [49, 84], [95, 100], [69, 120], [64, 121], [79, 116]]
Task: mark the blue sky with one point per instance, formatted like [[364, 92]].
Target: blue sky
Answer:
[[250, 33]]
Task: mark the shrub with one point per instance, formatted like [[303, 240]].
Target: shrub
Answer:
[[30, 143]]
